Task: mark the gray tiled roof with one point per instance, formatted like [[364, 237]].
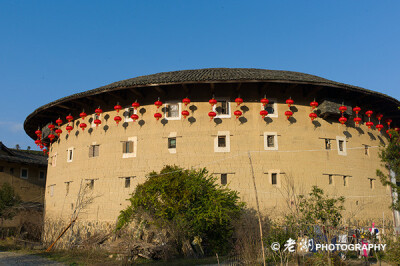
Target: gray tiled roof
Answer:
[[22, 156]]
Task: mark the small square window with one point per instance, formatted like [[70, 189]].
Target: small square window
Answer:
[[222, 107], [327, 144], [172, 110], [127, 182], [42, 175], [127, 147], [171, 143], [24, 173], [221, 141], [341, 145], [274, 178], [224, 179], [270, 107], [330, 179], [93, 151], [271, 141], [131, 111]]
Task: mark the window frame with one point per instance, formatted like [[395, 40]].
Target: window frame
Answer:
[[165, 110], [227, 148], [94, 117], [134, 152], [27, 173], [224, 177], [222, 116], [127, 118], [344, 146], [275, 135], [93, 154], [70, 150], [274, 106], [278, 177], [127, 181]]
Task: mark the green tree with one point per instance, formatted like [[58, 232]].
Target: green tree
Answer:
[[191, 201], [8, 200]]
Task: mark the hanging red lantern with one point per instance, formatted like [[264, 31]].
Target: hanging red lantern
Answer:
[[135, 105], [185, 113], [212, 115], [379, 127], [38, 133], [58, 132], [264, 101], [388, 132], [289, 102], [59, 121], [288, 114], [313, 116], [117, 119], [51, 127], [83, 115], [342, 109], [157, 116], [97, 122], [41, 146], [314, 105], [51, 137], [369, 113], [356, 110], [379, 117], [82, 126], [237, 113], [263, 113], [186, 101], [239, 101], [69, 129], [98, 111], [342, 120], [369, 124], [69, 118], [38, 142], [212, 102], [357, 120], [134, 117], [118, 108], [45, 152], [158, 103]]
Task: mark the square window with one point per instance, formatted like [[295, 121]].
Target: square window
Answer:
[[221, 141], [224, 179], [270, 141], [327, 144], [131, 111], [171, 143], [341, 145], [42, 175], [127, 147], [93, 151], [127, 182], [274, 178], [172, 110], [24, 173], [222, 107], [128, 113], [271, 108]]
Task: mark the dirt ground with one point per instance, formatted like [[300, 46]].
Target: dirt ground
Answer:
[[13, 258]]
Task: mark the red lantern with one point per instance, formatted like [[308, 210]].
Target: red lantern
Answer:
[[41, 146], [45, 152], [313, 105], [97, 122], [38, 142], [388, 121], [134, 117], [69, 129], [379, 127], [212, 115], [388, 132], [51, 137], [59, 121], [313, 116], [117, 119], [239, 101], [83, 115], [237, 113], [289, 102], [342, 120], [82, 126], [185, 113], [98, 111], [379, 116], [135, 105], [288, 114], [264, 101], [38, 133], [51, 127], [157, 116], [369, 124], [369, 113], [342, 109], [186, 101], [69, 118], [118, 108], [158, 103], [263, 113], [58, 132], [357, 109], [212, 102], [357, 120]]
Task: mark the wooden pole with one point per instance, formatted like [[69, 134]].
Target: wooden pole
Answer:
[[62, 233]]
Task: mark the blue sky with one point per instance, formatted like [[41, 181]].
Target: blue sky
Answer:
[[51, 49]]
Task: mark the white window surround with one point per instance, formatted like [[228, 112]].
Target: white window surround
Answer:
[[54, 160], [274, 106], [131, 154], [227, 147], [27, 173], [127, 117], [171, 135], [278, 177], [266, 134], [69, 151], [229, 108], [338, 139], [51, 190], [93, 118], [165, 107]]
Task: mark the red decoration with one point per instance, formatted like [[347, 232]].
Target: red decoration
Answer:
[[118, 108], [379, 127], [69, 118], [38, 142], [357, 120], [342, 120], [186, 101], [59, 121], [58, 131], [356, 110], [288, 114], [379, 116], [157, 116], [212, 102], [97, 122], [212, 115], [264, 101], [158, 103], [69, 129], [237, 113], [263, 113], [82, 126], [369, 124], [369, 113], [83, 115], [38, 133], [289, 102], [136, 105], [313, 116], [98, 111], [45, 152], [51, 137], [117, 119], [239, 101], [134, 117], [51, 127], [342, 109], [314, 105], [388, 132], [185, 113]]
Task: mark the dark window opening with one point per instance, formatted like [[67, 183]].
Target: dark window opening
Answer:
[[42, 175], [127, 182], [366, 150], [274, 178], [127, 147], [11, 170], [224, 179], [173, 110], [327, 144], [24, 173], [222, 107], [330, 179], [221, 141], [94, 150], [171, 143], [344, 181], [341, 145], [271, 141], [1, 168], [270, 107], [90, 184]]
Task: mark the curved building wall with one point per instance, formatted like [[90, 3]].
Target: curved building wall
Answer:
[[299, 156]]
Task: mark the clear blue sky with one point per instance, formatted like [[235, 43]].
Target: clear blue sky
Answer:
[[51, 49]]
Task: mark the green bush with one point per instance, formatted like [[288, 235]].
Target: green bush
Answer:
[[191, 201], [8, 201]]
